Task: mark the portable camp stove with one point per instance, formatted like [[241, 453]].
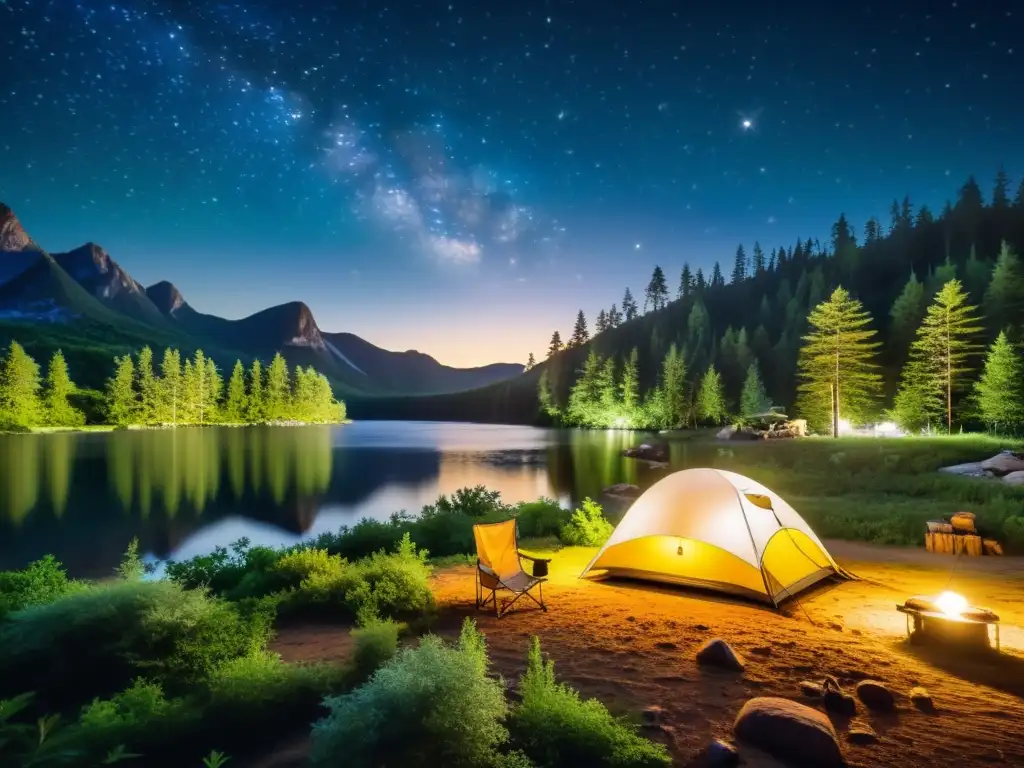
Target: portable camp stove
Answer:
[[948, 619]]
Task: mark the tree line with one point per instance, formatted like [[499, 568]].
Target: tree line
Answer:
[[181, 392], [762, 332]]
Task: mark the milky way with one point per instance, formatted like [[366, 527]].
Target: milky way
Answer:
[[529, 143]]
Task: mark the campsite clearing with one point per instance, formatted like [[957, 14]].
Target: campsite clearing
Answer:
[[632, 645]]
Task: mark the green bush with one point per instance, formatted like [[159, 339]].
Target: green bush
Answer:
[[544, 517], [94, 642], [388, 584], [430, 705], [375, 644], [240, 572], [587, 527], [39, 583], [554, 727]]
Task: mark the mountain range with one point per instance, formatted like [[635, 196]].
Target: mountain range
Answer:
[[88, 305]]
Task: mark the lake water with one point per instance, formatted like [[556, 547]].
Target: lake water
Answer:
[[83, 496]]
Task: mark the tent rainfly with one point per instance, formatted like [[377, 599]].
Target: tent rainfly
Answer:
[[717, 530]]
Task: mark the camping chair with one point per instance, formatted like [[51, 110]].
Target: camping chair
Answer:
[[499, 566]]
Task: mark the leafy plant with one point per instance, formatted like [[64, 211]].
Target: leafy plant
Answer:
[[42, 581], [587, 527], [215, 759]]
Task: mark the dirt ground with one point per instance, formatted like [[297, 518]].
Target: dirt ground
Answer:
[[632, 645]]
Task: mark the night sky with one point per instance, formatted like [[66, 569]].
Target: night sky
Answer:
[[461, 177]]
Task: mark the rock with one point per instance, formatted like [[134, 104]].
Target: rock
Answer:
[[876, 696], [726, 433], [1014, 478], [762, 650], [718, 653], [701, 627], [622, 491], [971, 469], [1004, 463], [839, 703], [720, 754], [666, 646], [835, 626], [921, 699], [648, 452], [830, 683], [790, 731], [814, 690], [652, 716], [861, 734]]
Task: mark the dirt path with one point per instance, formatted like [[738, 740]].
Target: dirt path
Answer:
[[632, 645]]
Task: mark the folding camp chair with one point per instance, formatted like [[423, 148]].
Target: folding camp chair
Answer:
[[499, 567]]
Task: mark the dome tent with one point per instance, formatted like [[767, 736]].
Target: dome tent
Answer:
[[718, 530]]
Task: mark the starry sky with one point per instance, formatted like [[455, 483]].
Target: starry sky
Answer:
[[461, 176]]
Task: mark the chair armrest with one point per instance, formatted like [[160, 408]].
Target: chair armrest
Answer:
[[535, 559], [540, 564]]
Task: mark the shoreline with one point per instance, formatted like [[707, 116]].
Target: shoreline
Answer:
[[103, 428]]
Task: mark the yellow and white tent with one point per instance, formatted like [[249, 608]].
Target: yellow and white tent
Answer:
[[717, 530]]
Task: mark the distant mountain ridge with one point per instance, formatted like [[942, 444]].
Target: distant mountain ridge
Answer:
[[87, 287]]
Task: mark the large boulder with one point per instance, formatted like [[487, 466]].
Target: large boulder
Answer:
[[718, 653], [792, 732], [648, 452], [1004, 463], [971, 469], [726, 433], [1014, 478]]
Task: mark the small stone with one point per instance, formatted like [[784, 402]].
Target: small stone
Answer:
[[830, 683], [718, 653], [814, 690], [702, 627], [839, 703], [631, 618], [762, 650], [876, 696], [861, 734], [720, 754], [652, 716], [790, 731], [665, 646], [921, 699], [835, 626]]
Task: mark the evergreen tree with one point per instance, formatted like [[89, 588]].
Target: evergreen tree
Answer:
[[941, 275], [235, 406], [685, 282], [906, 314], [872, 231], [754, 399], [606, 386], [977, 274], [673, 382], [278, 389], [739, 267], [757, 263], [121, 401], [601, 325], [545, 396], [943, 348], [191, 394], [530, 362], [171, 389], [147, 387], [717, 281], [1004, 299], [711, 398], [699, 284], [614, 317], [629, 307], [580, 335], [585, 395], [20, 405], [200, 388], [256, 402], [630, 385], [555, 345], [999, 393], [1001, 191], [656, 294], [214, 386], [836, 363], [57, 409]]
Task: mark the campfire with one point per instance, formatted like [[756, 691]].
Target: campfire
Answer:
[[949, 619]]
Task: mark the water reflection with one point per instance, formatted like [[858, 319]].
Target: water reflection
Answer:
[[83, 496]]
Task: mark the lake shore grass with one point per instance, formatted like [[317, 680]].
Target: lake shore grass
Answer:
[[87, 428]]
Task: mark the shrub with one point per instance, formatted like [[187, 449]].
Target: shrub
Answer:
[[312, 578], [477, 501], [430, 705], [554, 727], [242, 572], [95, 641], [587, 527], [132, 568], [375, 644], [544, 517], [41, 582], [387, 585]]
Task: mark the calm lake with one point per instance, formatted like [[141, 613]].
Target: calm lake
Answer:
[[83, 496]]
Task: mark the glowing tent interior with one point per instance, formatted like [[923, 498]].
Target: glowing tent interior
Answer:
[[717, 530]]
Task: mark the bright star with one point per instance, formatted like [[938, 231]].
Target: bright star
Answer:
[[747, 125], [637, 246]]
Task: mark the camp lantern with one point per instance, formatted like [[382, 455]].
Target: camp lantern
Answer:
[[717, 530]]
